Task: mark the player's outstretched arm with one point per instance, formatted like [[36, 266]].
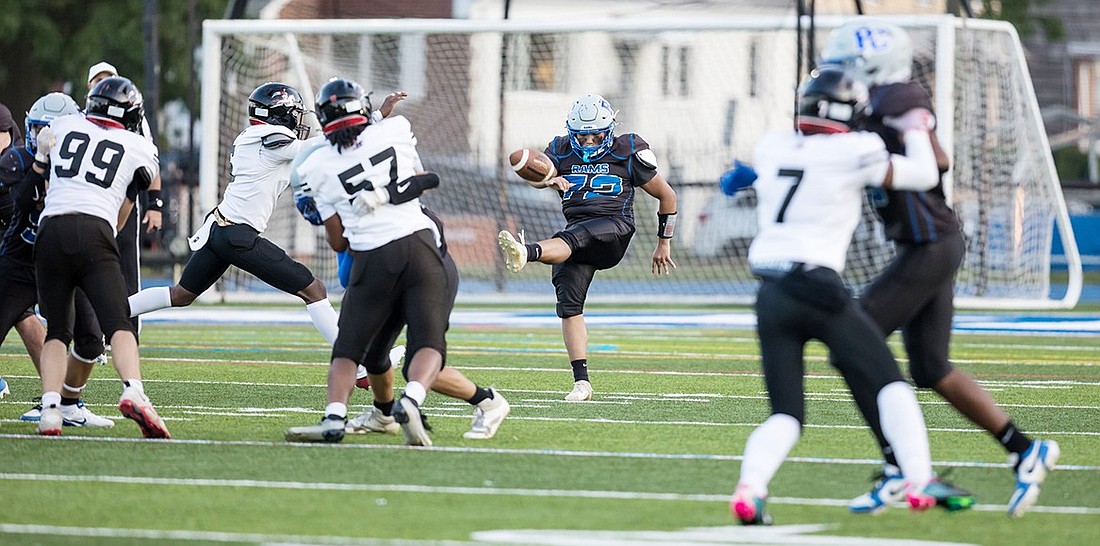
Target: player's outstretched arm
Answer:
[[659, 188]]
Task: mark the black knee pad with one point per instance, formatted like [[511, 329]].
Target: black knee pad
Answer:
[[88, 347]]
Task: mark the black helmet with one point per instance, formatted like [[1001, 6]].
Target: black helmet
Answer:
[[342, 103], [116, 101], [277, 103], [832, 100]]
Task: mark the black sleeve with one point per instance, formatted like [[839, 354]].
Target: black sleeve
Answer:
[[139, 183], [411, 187], [30, 193]]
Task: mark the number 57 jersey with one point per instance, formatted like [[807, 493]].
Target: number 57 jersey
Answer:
[[810, 192], [93, 168], [384, 154]]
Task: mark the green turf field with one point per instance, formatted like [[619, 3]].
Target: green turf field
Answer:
[[652, 460]]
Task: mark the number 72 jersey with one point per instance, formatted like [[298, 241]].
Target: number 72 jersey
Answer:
[[810, 193], [93, 169]]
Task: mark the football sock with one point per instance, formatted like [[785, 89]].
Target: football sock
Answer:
[[1013, 440], [325, 319], [888, 456], [150, 299], [385, 407], [51, 399], [580, 369], [66, 401], [766, 449], [479, 395], [534, 252], [903, 426], [336, 408], [416, 391]]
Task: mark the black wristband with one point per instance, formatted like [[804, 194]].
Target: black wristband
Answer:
[[666, 225], [155, 202], [41, 165]]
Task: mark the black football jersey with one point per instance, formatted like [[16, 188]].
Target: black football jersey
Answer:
[[909, 216], [602, 187], [21, 229]]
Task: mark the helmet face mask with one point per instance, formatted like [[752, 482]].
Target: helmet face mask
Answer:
[[832, 100], [116, 102], [879, 53], [44, 110], [277, 103], [342, 103], [591, 114]]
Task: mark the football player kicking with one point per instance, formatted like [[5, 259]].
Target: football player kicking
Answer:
[[97, 163], [18, 287], [366, 185], [810, 193], [231, 234], [915, 293], [490, 408], [598, 174]]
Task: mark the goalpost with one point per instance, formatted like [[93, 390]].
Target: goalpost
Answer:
[[701, 92]]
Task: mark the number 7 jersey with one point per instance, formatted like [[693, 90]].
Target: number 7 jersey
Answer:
[[384, 154], [93, 169], [810, 192]]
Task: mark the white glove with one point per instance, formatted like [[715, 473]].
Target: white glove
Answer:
[[917, 119], [367, 200], [45, 141]]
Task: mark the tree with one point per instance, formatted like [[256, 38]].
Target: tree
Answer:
[[48, 45], [1020, 14]]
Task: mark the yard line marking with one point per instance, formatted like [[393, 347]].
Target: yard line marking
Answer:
[[457, 490], [521, 451], [213, 536]]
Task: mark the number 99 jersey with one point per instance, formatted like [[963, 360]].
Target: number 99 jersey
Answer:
[[93, 169], [810, 192], [384, 154]]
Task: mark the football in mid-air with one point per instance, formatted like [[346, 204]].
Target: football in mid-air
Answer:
[[532, 166]]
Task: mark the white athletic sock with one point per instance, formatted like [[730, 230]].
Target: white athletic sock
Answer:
[[766, 449], [150, 299], [325, 319], [336, 408], [416, 391], [903, 426], [52, 398]]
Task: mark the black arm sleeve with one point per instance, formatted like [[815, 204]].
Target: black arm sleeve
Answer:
[[139, 183], [30, 193], [412, 187]]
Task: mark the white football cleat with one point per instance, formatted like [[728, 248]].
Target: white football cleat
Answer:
[[78, 415], [50, 422], [582, 390], [488, 415], [136, 406], [396, 354], [515, 252], [372, 420], [415, 426], [330, 430]]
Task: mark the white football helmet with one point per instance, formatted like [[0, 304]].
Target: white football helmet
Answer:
[[591, 113], [43, 111], [881, 53]]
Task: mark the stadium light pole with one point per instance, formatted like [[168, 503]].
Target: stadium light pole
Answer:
[[502, 174]]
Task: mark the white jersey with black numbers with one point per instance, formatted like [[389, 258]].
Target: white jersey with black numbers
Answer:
[[385, 153], [810, 193], [261, 172], [92, 168]]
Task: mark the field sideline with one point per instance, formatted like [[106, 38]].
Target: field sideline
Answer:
[[651, 460]]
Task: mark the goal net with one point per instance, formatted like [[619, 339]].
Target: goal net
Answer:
[[700, 92]]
